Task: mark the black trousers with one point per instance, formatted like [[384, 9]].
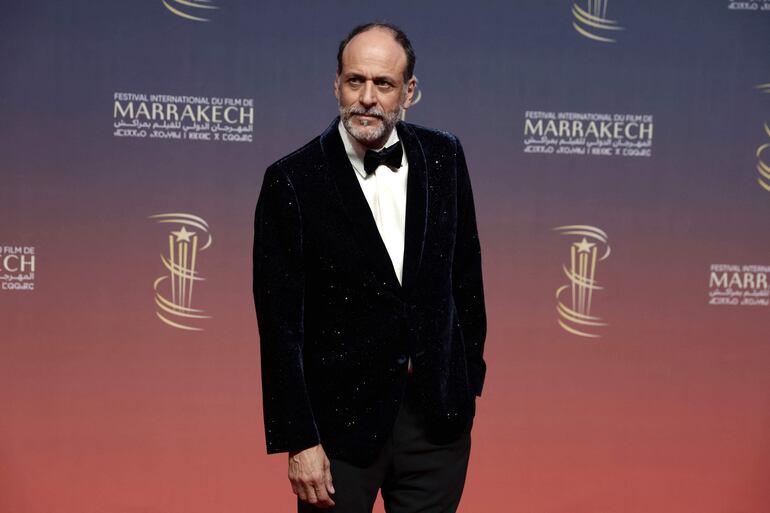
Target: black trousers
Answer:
[[413, 474]]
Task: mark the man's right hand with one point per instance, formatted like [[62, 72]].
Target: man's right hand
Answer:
[[310, 476]]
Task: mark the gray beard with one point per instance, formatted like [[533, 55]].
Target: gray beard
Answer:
[[369, 138]]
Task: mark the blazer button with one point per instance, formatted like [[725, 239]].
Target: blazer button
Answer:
[[401, 360]]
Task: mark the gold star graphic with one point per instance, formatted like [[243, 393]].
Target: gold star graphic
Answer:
[[584, 246], [183, 235]]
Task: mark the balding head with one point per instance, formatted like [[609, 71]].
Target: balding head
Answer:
[[397, 35]]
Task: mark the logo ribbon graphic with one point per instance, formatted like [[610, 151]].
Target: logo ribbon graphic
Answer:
[[574, 300], [175, 309], [181, 8], [764, 167], [592, 21]]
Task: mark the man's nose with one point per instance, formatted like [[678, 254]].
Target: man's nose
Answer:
[[368, 94]]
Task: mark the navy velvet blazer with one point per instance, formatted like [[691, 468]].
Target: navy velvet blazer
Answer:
[[336, 327]]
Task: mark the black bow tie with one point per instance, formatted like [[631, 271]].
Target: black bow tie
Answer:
[[390, 156]]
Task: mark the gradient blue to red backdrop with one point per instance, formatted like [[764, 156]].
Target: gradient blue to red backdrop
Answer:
[[651, 393]]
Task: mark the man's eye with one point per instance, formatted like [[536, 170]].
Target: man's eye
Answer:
[[385, 86], [354, 81]]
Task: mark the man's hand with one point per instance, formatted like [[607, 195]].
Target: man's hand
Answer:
[[311, 477]]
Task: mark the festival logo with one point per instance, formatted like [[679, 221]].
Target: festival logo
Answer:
[[183, 117], [588, 133], [188, 237], [415, 99], [17, 268], [593, 23], [574, 301], [763, 162], [195, 10], [739, 285]]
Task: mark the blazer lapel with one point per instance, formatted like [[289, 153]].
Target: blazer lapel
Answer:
[[416, 204], [360, 214], [356, 206]]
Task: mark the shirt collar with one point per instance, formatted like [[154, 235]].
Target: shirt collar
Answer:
[[356, 150]]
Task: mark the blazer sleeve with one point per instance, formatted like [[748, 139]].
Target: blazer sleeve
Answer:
[[468, 288], [279, 287]]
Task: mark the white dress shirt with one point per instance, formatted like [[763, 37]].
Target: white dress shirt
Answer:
[[385, 191]]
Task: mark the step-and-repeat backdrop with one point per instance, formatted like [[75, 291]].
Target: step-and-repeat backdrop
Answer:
[[620, 159]]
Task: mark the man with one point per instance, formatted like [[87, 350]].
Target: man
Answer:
[[368, 291]]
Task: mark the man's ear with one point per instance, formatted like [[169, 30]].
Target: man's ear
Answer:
[[337, 86], [411, 85]]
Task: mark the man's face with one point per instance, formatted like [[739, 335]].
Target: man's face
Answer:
[[370, 87]]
